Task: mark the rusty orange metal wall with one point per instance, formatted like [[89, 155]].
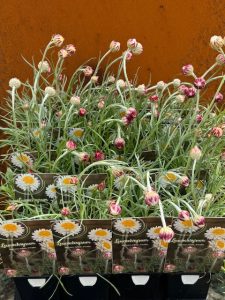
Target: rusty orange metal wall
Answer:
[[173, 32]]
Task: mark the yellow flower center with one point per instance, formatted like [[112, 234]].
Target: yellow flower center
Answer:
[[53, 190], [187, 223], [29, 180], [106, 245], [23, 158], [123, 113], [157, 230], [218, 231], [199, 184], [51, 245], [68, 226], [101, 232], [36, 133], [164, 244], [128, 223], [67, 180], [45, 233], [78, 133], [170, 177], [220, 244], [10, 227]]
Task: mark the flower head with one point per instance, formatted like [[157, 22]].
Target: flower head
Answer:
[[184, 181], [138, 49], [50, 91], [216, 42], [65, 211], [75, 100], [121, 83], [199, 83], [82, 112], [114, 46], [42, 235], [119, 143], [14, 83], [114, 208], [11, 229], [217, 132], [151, 198], [127, 225], [131, 43], [100, 234], [195, 153], [199, 221], [153, 232], [27, 182], [70, 145], [94, 79], [184, 215], [51, 191], [176, 82], [63, 271], [20, 160], [160, 85], [219, 97], [166, 234], [88, 71], [220, 59], [99, 155], [66, 227], [43, 66], [70, 49], [188, 70], [57, 40]]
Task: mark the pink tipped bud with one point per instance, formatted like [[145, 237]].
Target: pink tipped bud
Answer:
[[114, 208], [107, 255], [184, 215], [190, 92], [63, 53], [220, 59], [216, 42], [151, 198], [70, 145], [184, 181], [70, 49], [84, 156], [64, 271], [199, 83], [101, 104], [101, 186], [138, 49], [131, 112], [119, 143], [183, 89], [154, 98], [188, 70], [195, 153], [217, 132], [199, 221], [88, 71], [131, 43], [166, 234], [99, 155], [74, 180], [57, 40], [199, 118], [219, 98], [128, 55], [114, 46], [65, 211], [82, 112]]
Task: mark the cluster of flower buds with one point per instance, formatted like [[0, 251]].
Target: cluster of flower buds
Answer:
[[189, 92], [67, 51], [134, 47], [130, 115]]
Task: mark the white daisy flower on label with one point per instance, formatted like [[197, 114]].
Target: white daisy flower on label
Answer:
[[19, 160], [100, 234], [217, 245], [11, 229], [48, 246], [42, 235], [153, 233], [104, 246], [215, 233], [51, 191], [76, 133], [27, 182], [127, 225], [67, 227], [186, 226], [64, 183], [160, 244]]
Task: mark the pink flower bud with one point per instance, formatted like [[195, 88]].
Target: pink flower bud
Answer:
[[217, 132], [184, 181], [128, 55], [151, 198], [190, 92], [183, 89], [131, 43], [199, 118], [220, 59], [166, 234], [219, 97], [138, 49], [94, 79], [131, 112], [78, 252], [119, 143], [114, 46], [169, 268], [70, 49], [63, 53], [101, 104], [10, 272], [184, 215], [188, 70], [84, 156], [65, 211], [52, 256], [195, 153], [88, 71], [57, 40], [99, 155], [199, 221], [114, 208], [82, 112], [74, 180], [154, 98], [59, 114], [118, 269], [101, 186], [70, 145], [75, 100], [199, 83], [64, 271]]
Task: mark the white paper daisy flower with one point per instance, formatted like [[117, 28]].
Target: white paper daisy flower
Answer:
[[67, 227], [76, 133], [11, 229], [64, 183], [27, 182], [100, 234], [51, 191], [160, 244], [127, 225], [217, 245], [186, 226], [42, 235], [104, 246], [19, 160], [215, 233], [153, 232], [168, 178]]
